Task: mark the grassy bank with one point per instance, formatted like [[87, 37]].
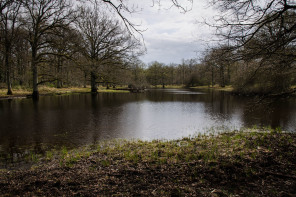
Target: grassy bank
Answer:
[[248, 163], [45, 90], [168, 87], [216, 87]]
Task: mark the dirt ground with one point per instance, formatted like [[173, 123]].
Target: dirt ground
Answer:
[[258, 165]]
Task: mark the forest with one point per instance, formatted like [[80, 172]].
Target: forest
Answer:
[[64, 43], [221, 124]]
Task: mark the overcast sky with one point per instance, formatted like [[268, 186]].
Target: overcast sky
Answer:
[[171, 35]]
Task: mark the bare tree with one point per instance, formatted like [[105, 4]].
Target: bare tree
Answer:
[[21, 52], [42, 17], [219, 57], [63, 45], [155, 74], [4, 4], [263, 34], [10, 26], [241, 20], [122, 7], [104, 42]]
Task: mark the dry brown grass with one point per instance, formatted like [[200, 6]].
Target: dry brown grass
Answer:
[[46, 90], [215, 87]]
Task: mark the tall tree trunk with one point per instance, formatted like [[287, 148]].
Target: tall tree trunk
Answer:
[[35, 94], [8, 80], [228, 74], [59, 73], [94, 87], [59, 84], [20, 71], [213, 77], [1, 73], [222, 78], [85, 79]]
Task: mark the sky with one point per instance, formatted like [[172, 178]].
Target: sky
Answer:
[[171, 35]]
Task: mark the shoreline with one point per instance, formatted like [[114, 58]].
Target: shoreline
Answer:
[[20, 93], [226, 88], [49, 91], [228, 164]]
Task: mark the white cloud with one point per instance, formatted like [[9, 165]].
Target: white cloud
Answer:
[[169, 51], [172, 36]]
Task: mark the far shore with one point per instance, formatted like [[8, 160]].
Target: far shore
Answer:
[[45, 90], [22, 92], [228, 88], [215, 87]]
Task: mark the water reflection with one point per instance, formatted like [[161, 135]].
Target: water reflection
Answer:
[[75, 120]]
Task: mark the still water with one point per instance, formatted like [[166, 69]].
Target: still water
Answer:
[[79, 119]]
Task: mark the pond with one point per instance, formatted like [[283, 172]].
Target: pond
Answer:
[[80, 119]]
